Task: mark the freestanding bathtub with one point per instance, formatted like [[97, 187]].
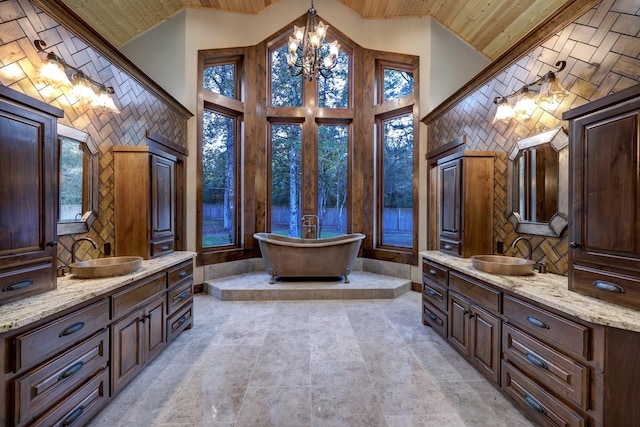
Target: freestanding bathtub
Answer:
[[292, 257]]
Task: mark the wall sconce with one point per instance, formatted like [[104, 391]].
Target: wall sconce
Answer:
[[57, 73], [525, 100]]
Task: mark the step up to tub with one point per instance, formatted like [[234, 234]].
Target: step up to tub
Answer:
[[256, 287]]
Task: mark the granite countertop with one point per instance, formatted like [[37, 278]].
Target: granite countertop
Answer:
[[71, 291], [549, 289]]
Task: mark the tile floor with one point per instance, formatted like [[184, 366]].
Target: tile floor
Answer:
[[309, 363]]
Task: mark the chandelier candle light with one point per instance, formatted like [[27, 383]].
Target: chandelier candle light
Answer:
[[56, 72], [305, 45], [545, 89]]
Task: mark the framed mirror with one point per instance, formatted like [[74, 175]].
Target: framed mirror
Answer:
[[77, 180], [538, 184]]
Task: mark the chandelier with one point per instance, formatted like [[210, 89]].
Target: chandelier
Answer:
[[526, 99], [57, 73], [307, 46]]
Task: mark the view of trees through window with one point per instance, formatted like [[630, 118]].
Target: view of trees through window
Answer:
[[310, 138]]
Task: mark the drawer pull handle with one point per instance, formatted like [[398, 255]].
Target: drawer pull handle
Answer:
[[182, 320], [432, 317], [183, 295], [164, 247], [72, 329], [534, 404], [17, 285], [183, 273], [73, 416], [432, 272], [535, 360], [608, 286], [434, 293], [537, 322], [448, 247], [71, 370]]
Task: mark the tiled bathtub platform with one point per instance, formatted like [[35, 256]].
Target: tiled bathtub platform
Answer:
[[256, 287]]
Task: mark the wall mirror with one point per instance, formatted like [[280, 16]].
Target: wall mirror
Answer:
[[538, 184], [77, 180]]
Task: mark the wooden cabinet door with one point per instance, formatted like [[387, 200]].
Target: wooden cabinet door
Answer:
[[28, 196], [162, 197], [127, 346], [450, 199], [604, 151], [155, 328], [485, 342], [459, 323]]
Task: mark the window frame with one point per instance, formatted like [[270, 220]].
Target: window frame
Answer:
[[233, 108]]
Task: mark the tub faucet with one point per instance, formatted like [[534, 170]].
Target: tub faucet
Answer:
[[310, 226], [528, 244], [75, 243]]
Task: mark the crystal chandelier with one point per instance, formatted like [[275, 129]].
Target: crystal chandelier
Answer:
[[305, 45]]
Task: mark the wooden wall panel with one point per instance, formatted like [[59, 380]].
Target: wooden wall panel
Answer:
[[20, 24], [602, 50]]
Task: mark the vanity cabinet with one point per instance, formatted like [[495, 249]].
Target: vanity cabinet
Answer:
[[604, 254], [466, 182], [60, 369], [557, 369], [144, 200], [138, 334], [435, 300], [29, 195]]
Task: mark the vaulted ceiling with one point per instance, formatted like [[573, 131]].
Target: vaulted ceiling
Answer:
[[490, 26]]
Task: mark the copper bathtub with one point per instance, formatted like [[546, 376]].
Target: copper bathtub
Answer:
[[292, 257]]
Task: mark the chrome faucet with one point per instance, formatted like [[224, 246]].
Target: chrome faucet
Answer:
[[528, 243], [75, 243]]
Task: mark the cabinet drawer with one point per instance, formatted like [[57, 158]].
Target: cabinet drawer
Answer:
[[179, 321], [547, 327], [42, 387], [37, 345], [179, 295], [555, 371], [435, 272], [485, 296], [435, 294], [608, 286], [452, 248], [80, 406], [179, 273], [26, 281], [434, 318], [137, 294], [161, 248], [539, 404]]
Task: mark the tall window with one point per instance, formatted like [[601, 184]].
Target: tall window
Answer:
[[310, 134], [396, 154], [219, 131]]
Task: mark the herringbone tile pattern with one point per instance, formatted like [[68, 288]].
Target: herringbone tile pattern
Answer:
[[20, 24], [602, 50]]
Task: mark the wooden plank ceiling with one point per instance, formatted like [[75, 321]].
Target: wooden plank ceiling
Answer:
[[491, 26]]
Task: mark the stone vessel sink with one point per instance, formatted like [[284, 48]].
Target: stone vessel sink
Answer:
[[105, 267], [500, 264]]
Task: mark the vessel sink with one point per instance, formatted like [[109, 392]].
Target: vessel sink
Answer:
[[105, 267], [500, 264]]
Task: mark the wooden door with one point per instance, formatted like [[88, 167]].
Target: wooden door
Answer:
[[450, 199], [127, 349], [28, 196], [459, 323], [162, 197], [155, 324], [605, 188], [485, 342]]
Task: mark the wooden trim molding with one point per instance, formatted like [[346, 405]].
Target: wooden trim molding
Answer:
[[70, 20], [563, 16]]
